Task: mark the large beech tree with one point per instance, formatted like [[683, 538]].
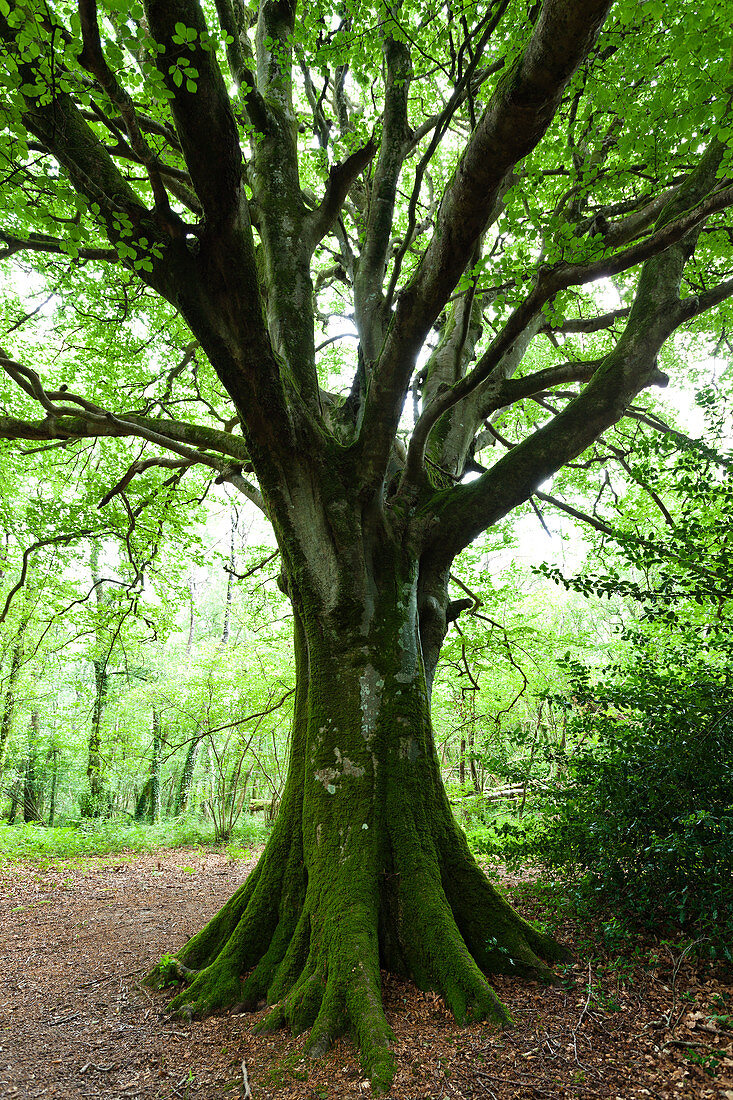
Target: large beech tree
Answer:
[[513, 206]]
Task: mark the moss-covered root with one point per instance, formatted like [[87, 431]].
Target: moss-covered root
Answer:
[[435, 950], [339, 990], [214, 988], [499, 939]]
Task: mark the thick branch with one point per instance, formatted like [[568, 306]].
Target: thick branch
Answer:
[[167, 433], [368, 298], [588, 324], [93, 60], [204, 117], [340, 179], [39, 242], [234, 20]]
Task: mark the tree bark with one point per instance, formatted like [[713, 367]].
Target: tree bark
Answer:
[[365, 868], [155, 769], [55, 753], [31, 783], [95, 802], [185, 783], [8, 713]]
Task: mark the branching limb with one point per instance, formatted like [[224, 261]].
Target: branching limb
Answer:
[[512, 125], [322, 220], [629, 368], [40, 242], [588, 324], [93, 60], [235, 21], [204, 118], [465, 87], [139, 468], [368, 297], [549, 283], [85, 419], [56, 540]]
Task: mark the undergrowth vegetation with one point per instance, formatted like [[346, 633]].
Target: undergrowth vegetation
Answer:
[[39, 844]]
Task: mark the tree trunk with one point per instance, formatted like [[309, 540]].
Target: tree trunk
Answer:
[[155, 770], [230, 583], [142, 802], [16, 664], [31, 784], [54, 786], [186, 781], [365, 867], [15, 794], [96, 802]]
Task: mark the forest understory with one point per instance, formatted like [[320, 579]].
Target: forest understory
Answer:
[[645, 1020]]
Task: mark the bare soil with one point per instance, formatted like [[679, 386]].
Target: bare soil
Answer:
[[75, 1022]]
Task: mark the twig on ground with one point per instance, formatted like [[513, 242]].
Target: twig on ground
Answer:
[[246, 1091], [112, 978], [64, 1019]]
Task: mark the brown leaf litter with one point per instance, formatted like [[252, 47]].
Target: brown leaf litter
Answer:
[[74, 1021]]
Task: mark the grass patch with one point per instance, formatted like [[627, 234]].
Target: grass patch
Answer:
[[39, 844]]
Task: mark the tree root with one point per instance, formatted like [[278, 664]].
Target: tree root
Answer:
[[313, 951]]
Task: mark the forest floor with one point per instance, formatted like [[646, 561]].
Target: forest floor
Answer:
[[74, 1022]]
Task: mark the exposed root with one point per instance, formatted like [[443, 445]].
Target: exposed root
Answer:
[[435, 950], [300, 1007], [216, 987], [313, 952], [338, 990]]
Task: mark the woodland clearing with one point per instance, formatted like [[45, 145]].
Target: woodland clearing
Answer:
[[75, 1022]]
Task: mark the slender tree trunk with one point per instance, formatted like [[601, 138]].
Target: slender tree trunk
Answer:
[[192, 615], [230, 585], [143, 802], [31, 785], [97, 802], [155, 770], [185, 784], [8, 712], [54, 786], [15, 794], [365, 867]]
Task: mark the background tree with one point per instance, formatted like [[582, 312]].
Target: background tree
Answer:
[[465, 179]]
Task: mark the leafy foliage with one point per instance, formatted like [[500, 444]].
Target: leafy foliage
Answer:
[[647, 806], [644, 807]]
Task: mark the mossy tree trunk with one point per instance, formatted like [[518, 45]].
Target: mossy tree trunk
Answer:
[[155, 769], [11, 683], [365, 868], [54, 754], [31, 781], [185, 782], [96, 801]]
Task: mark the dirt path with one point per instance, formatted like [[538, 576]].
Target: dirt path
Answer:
[[74, 1023]]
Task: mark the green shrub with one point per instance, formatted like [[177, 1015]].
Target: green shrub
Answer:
[[646, 810]]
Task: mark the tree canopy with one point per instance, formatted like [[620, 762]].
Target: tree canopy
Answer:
[[455, 189]]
